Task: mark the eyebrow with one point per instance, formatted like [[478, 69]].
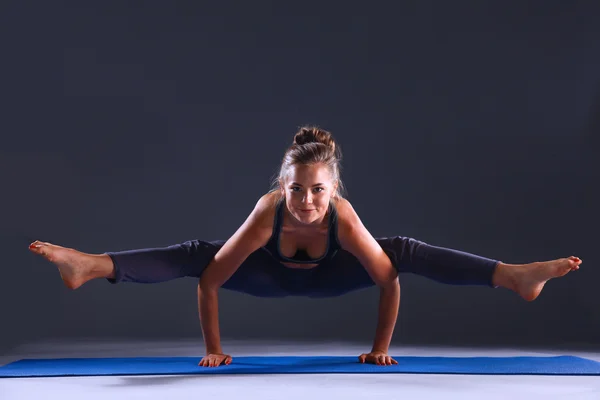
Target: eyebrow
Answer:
[[297, 184]]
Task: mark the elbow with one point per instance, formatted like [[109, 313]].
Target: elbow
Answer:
[[207, 285], [389, 284]]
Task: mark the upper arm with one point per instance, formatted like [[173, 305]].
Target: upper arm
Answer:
[[357, 240], [249, 237]]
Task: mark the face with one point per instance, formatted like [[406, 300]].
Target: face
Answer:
[[307, 190]]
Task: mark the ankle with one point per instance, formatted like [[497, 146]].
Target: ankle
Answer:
[[506, 276], [102, 266]]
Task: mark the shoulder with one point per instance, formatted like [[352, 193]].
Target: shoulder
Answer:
[[351, 232], [347, 217], [258, 226], [358, 241], [264, 211]]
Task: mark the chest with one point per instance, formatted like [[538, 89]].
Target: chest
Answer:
[[312, 241]]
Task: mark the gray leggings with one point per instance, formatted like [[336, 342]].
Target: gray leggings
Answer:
[[261, 275]]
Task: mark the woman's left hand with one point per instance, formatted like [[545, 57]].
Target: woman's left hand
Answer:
[[376, 357]]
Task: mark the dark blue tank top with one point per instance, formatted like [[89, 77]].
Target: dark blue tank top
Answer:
[[301, 256]]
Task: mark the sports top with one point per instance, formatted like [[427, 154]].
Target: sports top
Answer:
[[301, 256]]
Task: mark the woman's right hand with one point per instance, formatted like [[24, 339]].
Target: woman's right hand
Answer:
[[214, 360]]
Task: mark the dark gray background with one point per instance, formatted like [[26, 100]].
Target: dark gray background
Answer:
[[472, 125]]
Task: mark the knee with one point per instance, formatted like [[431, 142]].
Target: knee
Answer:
[[400, 249]]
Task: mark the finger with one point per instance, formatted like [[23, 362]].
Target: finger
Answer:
[[228, 360], [361, 358], [394, 361]]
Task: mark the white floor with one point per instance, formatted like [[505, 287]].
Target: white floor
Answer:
[[288, 387]]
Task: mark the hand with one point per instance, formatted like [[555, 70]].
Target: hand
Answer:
[[377, 357], [214, 360]]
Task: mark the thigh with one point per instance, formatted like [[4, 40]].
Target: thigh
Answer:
[[260, 275], [438, 263], [160, 264]]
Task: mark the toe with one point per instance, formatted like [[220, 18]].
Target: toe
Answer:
[[575, 261], [35, 247]]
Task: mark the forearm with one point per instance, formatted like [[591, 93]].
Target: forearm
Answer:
[[208, 307], [389, 304]]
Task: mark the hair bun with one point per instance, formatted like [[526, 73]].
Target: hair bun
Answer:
[[314, 135]]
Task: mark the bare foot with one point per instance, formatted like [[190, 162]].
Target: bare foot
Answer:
[[532, 277], [74, 266]]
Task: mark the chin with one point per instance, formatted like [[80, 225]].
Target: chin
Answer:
[[307, 218]]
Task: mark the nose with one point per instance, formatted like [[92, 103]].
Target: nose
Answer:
[[308, 198]]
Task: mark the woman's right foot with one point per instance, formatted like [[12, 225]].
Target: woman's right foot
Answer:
[[75, 267]]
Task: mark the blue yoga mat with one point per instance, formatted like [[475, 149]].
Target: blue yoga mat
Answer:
[[559, 365]]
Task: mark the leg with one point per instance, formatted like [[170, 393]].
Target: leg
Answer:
[[259, 275], [461, 268], [345, 274], [155, 265], [151, 265], [440, 264]]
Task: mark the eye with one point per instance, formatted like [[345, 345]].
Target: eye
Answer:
[[295, 189], [319, 190]]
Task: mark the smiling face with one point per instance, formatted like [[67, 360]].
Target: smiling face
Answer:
[[307, 190]]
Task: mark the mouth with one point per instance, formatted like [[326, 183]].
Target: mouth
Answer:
[[306, 211]]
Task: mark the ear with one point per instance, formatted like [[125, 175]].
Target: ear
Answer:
[[281, 188]]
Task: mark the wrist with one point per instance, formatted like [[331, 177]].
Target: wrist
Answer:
[[214, 350], [379, 349], [213, 347]]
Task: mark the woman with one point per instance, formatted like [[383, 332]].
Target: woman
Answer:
[[304, 239]]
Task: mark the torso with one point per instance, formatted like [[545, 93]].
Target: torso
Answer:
[[313, 241]]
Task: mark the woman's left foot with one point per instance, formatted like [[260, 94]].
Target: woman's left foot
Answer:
[[533, 277]]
